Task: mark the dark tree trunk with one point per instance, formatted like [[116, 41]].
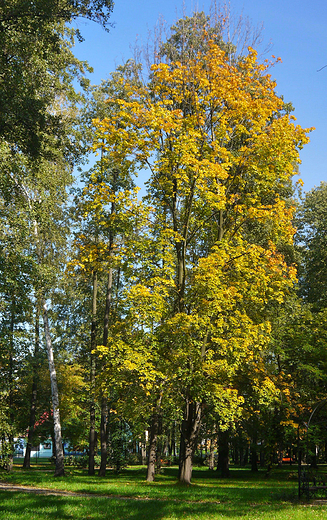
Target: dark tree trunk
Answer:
[[104, 399], [172, 447], [262, 455], [152, 459], [159, 453], [270, 463], [53, 445], [280, 454], [174, 440], [92, 435], [11, 453], [189, 434], [103, 436], [241, 456], [253, 448], [11, 386], [254, 457], [236, 455], [223, 453], [92, 427], [27, 458], [245, 455]]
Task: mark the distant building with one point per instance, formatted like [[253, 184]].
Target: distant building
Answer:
[[43, 450]]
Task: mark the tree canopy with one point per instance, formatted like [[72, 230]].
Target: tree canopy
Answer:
[[176, 314], [37, 67]]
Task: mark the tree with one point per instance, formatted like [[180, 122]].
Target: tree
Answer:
[[312, 241], [221, 151], [38, 140], [36, 65], [106, 210]]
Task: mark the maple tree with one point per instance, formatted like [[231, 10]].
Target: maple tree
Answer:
[[221, 151]]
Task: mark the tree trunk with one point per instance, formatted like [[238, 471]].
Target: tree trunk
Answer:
[[262, 455], [92, 435], [27, 458], [236, 455], [59, 471], [189, 434], [103, 435], [104, 399], [53, 445], [174, 440], [223, 453], [143, 451], [152, 459], [254, 447], [212, 455], [11, 386], [92, 418], [254, 457], [245, 455]]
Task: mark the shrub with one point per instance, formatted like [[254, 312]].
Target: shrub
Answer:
[[5, 463]]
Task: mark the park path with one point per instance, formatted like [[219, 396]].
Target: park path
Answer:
[[5, 486]]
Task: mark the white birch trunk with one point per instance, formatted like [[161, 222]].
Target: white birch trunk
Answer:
[[59, 471], [53, 376]]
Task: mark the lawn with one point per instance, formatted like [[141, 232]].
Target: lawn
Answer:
[[128, 496]]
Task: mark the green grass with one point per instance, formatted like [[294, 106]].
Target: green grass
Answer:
[[128, 496]]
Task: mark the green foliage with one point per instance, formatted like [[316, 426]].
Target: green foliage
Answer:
[[39, 144], [37, 69], [80, 461], [311, 237], [119, 437], [6, 431], [187, 40]]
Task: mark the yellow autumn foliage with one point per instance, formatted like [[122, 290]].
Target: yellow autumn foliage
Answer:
[[222, 152]]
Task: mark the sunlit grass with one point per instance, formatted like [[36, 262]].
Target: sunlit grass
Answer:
[[128, 496]]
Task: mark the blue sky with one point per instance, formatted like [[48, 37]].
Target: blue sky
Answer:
[[296, 29]]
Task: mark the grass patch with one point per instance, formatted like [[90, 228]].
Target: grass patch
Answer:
[[244, 495]]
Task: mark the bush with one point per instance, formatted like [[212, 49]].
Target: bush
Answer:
[[76, 461], [5, 463], [80, 461], [134, 459]]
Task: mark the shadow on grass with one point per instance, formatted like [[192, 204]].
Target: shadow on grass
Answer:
[[20, 506], [242, 488]]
